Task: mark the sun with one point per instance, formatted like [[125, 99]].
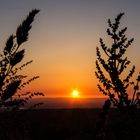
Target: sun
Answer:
[[75, 93]]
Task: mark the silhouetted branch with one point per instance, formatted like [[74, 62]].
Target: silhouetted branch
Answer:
[[10, 81], [116, 63]]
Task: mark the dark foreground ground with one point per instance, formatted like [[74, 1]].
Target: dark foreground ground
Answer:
[[66, 124]]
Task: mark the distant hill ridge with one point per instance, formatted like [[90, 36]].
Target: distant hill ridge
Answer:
[[58, 103]]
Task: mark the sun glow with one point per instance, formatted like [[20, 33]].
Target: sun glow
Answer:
[[75, 93]]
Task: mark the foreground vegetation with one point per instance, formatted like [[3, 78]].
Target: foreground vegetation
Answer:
[[66, 124], [11, 80]]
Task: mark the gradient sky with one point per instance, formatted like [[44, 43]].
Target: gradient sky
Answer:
[[64, 38]]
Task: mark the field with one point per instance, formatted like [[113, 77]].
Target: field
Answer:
[[66, 124]]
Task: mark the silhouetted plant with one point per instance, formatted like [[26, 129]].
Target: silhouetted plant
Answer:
[[11, 83], [109, 71]]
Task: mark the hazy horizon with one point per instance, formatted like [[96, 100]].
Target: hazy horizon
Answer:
[[67, 103]]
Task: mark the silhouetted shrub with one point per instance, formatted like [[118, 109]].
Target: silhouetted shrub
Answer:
[[114, 84], [110, 71], [11, 82]]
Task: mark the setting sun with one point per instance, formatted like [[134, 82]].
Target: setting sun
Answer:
[[75, 93]]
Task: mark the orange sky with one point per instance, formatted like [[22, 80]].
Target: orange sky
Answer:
[[64, 38]]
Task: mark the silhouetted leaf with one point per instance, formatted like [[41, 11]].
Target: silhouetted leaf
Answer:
[[138, 78], [23, 29], [9, 44], [10, 90], [17, 58]]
